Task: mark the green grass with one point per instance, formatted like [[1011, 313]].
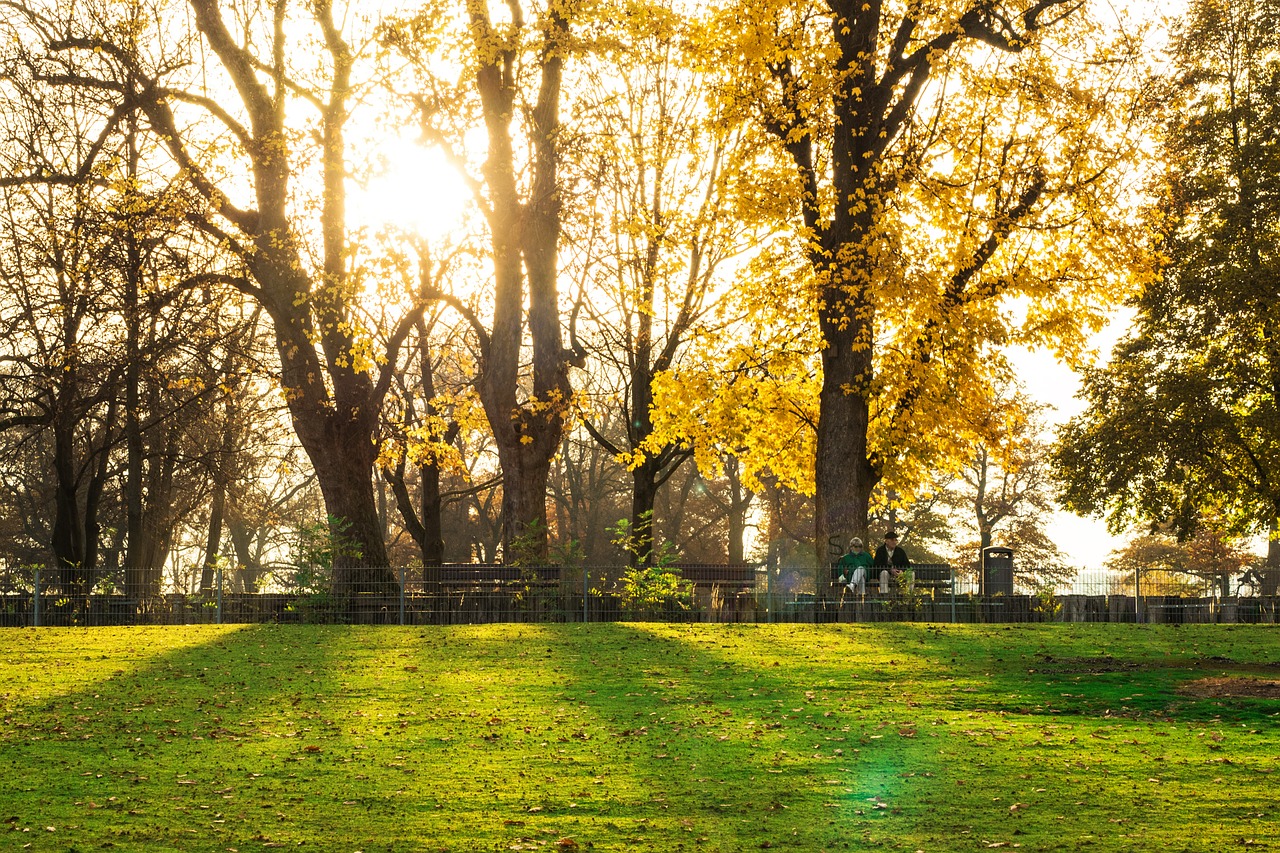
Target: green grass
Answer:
[[637, 736]]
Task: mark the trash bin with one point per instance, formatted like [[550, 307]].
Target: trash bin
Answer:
[[997, 571]]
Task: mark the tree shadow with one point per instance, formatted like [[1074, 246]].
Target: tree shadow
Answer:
[[662, 737]]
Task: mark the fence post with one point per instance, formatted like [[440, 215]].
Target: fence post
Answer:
[[218, 580], [1137, 595], [35, 600], [768, 590], [586, 575], [401, 596], [953, 596]]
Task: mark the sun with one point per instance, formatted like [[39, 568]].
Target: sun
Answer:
[[412, 188]]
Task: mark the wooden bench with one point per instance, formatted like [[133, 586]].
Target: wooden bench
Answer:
[[476, 576], [706, 576], [934, 576]]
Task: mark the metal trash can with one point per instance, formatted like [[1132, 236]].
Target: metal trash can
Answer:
[[997, 571]]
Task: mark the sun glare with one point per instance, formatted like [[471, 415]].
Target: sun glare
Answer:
[[413, 189]]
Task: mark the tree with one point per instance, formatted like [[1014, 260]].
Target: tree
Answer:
[[260, 138], [942, 163], [657, 224], [1161, 559], [1005, 490], [106, 358], [61, 377], [1183, 421], [424, 423], [512, 84]]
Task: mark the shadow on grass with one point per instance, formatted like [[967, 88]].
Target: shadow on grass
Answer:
[[948, 741], [1102, 673], [624, 736], [257, 738], [735, 741]]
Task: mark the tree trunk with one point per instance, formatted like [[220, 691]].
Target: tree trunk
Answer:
[[248, 566], [423, 523], [1271, 571], [644, 493], [67, 539], [739, 503], [432, 542], [524, 504], [524, 232], [135, 566], [844, 475], [214, 541], [344, 468]]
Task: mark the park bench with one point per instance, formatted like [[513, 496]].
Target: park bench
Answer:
[[454, 577], [932, 576], [707, 576]]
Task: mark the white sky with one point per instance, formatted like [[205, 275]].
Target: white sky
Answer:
[[1086, 541]]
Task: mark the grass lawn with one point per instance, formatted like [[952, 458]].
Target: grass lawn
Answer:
[[641, 736]]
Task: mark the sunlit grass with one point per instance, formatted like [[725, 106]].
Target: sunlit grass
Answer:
[[637, 736]]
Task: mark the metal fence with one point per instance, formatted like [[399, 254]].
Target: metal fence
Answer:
[[470, 594]]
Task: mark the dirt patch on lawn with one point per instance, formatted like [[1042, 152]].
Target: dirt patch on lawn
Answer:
[[1231, 688], [1091, 666]]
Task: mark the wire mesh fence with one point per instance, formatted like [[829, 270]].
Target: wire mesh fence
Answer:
[[470, 594]]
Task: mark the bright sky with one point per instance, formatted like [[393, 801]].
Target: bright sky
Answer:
[[1085, 540], [416, 190]]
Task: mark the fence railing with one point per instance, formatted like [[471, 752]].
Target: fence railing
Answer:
[[468, 594]]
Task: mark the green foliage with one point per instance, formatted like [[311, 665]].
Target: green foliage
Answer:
[[317, 546], [1046, 605], [1183, 423], [639, 542], [651, 586], [654, 590], [527, 549]]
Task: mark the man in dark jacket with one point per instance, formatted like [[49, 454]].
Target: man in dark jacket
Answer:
[[890, 559], [890, 555]]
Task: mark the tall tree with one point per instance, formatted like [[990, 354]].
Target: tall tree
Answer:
[[942, 163], [1004, 492], [1184, 421], [110, 352], [259, 134], [657, 230], [512, 84]]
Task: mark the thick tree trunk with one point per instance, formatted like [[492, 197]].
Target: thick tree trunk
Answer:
[[644, 493], [524, 504], [343, 460], [845, 474]]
